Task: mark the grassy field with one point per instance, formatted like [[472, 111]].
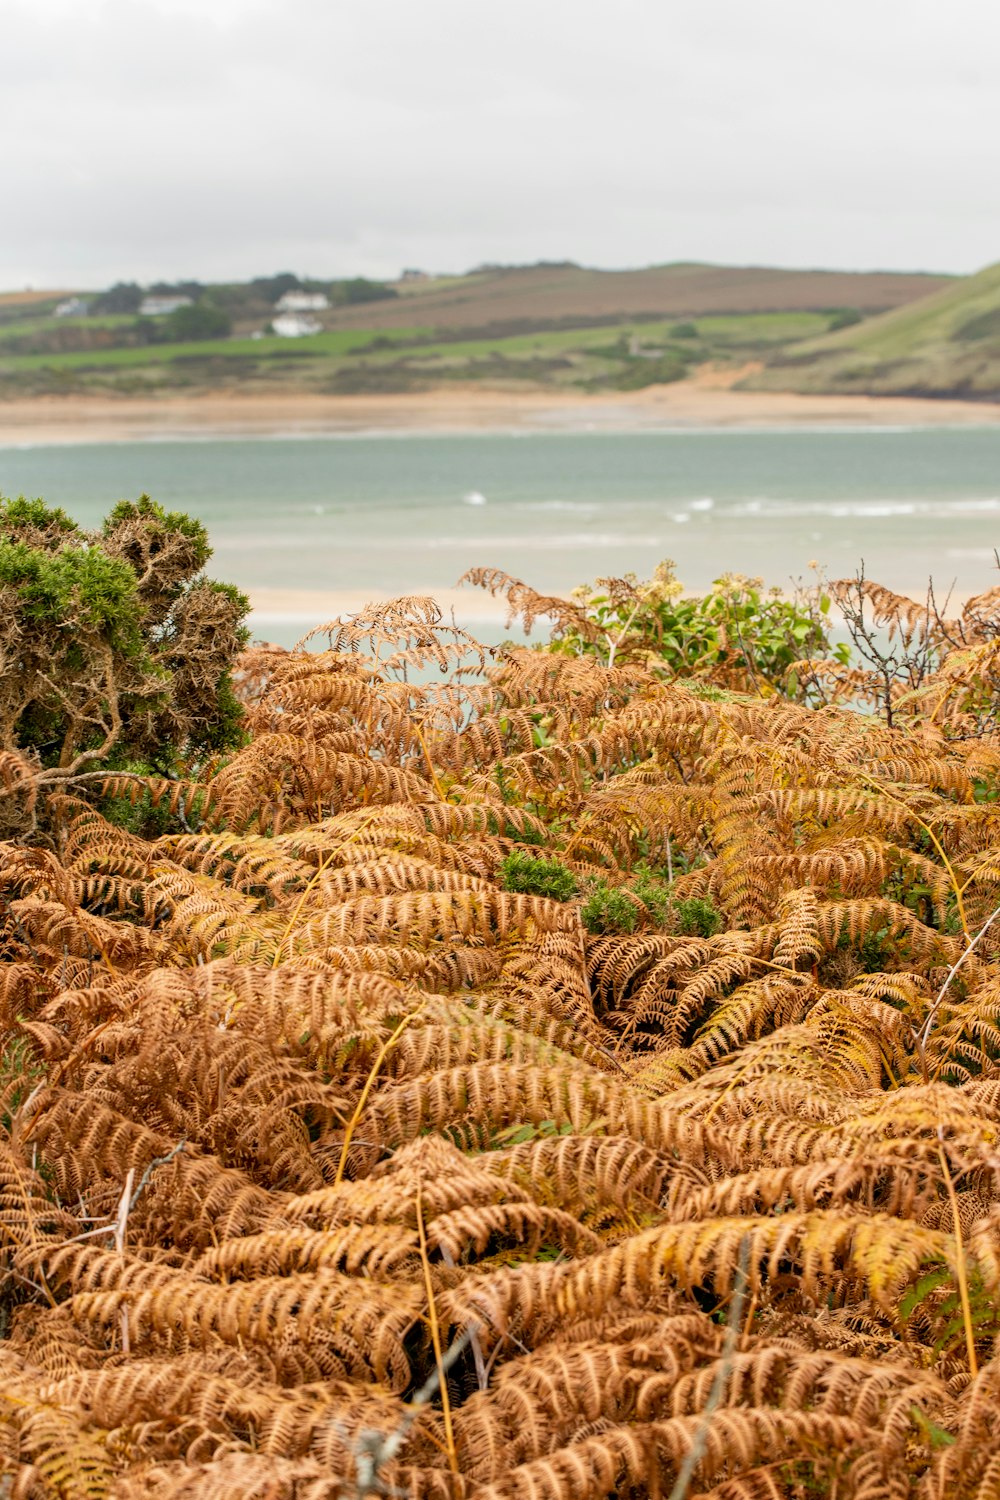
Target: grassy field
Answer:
[[28, 327], [946, 344], [327, 346], [622, 355]]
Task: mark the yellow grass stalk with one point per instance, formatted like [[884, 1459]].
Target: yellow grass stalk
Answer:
[[963, 1281], [956, 887], [376, 1067], [432, 1319]]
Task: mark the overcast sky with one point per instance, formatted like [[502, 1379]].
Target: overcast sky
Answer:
[[147, 139]]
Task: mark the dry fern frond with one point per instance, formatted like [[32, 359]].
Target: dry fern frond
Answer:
[[295, 1084]]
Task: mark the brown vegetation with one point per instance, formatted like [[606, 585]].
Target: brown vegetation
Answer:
[[334, 1164], [28, 298], [572, 295]]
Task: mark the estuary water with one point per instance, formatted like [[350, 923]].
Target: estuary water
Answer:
[[293, 517]]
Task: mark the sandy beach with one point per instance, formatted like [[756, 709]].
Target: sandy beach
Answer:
[[696, 403], [307, 609]]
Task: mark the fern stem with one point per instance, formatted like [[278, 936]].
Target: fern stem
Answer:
[[780, 968], [427, 757], [581, 828], [883, 791], [289, 925], [432, 1319], [614, 644], [312, 884], [963, 1282], [923, 1037], [383, 1053], [699, 1441], [475, 1343]]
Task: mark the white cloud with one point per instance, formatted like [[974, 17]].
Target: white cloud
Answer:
[[154, 138]]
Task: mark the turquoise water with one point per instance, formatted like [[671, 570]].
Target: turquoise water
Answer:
[[411, 513]]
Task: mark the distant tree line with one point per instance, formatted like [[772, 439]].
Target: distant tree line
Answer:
[[213, 311], [271, 289], [236, 299]]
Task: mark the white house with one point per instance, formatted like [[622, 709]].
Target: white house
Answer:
[[157, 307], [73, 307], [302, 302], [295, 325]]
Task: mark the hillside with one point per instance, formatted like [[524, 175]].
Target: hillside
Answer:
[[532, 327], [945, 344], [28, 298], [561, 293]]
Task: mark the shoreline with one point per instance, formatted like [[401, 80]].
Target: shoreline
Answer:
[[470, 608], [688, 405]]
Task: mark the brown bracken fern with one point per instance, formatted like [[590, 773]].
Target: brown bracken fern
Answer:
[[338, 1159]]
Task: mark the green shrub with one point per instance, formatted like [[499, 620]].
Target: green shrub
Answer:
[[115, 649], [664, 370], [697, 917], [530, 875], [843, 317], [644, 902], [654, 895], [609, 909], [123, 297]]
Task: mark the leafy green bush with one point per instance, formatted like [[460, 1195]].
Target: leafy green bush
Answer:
[[740, 635], [123, 297], [193, 323], [530, 875]]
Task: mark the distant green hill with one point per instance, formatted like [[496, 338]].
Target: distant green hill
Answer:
[[945, 344]]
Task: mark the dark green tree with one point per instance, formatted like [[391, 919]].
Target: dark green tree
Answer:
[[199, 320], [192, 289], [360, 289], [123, 297], [271, 288]]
